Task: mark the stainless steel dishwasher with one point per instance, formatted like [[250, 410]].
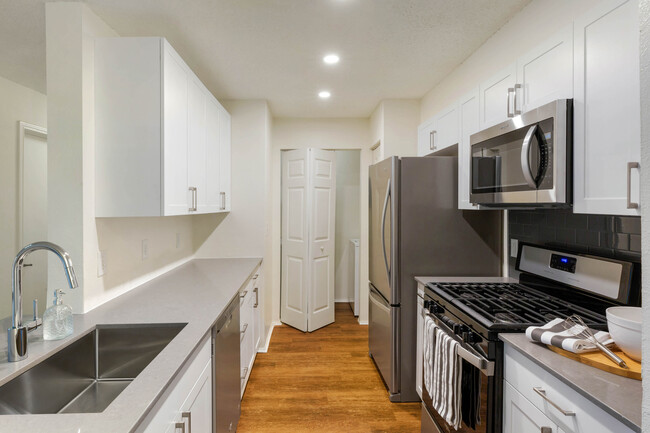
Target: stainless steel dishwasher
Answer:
[[227, 385]]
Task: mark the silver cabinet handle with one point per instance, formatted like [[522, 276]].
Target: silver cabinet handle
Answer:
[[546, 430], [243, 331], [542, 393], [243, 294], [245, 371], [194, 199], [432, 139], [188, 415], [257, 297], [525, 151], [517, 110], [223, 200], [180, 425], [510, 113], [630, 203]]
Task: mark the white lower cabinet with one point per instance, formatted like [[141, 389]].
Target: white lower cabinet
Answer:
[[250, 321], [534, 398], [187, 404]]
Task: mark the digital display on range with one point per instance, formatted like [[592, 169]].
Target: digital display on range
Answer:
[[563, 263]]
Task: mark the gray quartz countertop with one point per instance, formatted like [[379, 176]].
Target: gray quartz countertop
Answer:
[[195, 293], [618, 396]]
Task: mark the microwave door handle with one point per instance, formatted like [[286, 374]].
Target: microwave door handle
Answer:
[[525, 163], [383, 229]]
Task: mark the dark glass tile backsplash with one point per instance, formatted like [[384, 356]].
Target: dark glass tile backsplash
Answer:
[[604, 235]]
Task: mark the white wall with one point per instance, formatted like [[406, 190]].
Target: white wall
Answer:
[[348, 221], [70, 32], [644, 15], [323, 134], [19, 103], [394, 123], [530, 27]]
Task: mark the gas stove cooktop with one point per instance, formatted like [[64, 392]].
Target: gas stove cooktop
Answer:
[[511, 306]]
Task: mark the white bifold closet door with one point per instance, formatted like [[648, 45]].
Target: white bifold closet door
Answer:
[[308, 214]]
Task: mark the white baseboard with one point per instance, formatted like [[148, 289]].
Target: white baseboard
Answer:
[[362, 322], [267, 341], [343, 300]]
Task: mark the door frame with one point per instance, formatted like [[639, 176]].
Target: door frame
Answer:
[[24, 129]]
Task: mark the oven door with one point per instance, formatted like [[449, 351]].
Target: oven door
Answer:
[[472, 353], [523, 161]]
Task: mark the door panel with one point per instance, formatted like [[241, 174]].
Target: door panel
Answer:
[[295, 242], [380, 337], [520, 416], [469, 124], [494, 97], [322, 187], [380, 177], [196, 149], [212, 156]]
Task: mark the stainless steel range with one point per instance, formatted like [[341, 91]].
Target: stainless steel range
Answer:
[[474, 311]]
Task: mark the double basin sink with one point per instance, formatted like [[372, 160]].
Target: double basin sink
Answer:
[[87, 375]]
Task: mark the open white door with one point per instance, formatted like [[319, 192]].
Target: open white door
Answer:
[[295, 240], [322, 186]]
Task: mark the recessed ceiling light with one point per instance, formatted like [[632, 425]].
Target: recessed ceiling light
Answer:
[[331, 59], [324, 94]]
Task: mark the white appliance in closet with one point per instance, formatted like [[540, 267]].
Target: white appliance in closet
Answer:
[[308, 214], [354, 275]]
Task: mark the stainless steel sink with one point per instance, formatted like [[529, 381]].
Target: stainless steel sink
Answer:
[[86, 376]]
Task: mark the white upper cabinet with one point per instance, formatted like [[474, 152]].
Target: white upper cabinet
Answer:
[[545, 73], [497, 97], [426, 137], [160, 135], [468, 109], [607, 110], [439, 132]]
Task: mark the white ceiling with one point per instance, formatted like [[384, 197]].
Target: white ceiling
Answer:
[[273, 49]]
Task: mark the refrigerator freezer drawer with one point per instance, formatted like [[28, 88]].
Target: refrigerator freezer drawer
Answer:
[[382, 339]]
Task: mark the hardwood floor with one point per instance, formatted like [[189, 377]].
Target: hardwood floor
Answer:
[[322, 382]]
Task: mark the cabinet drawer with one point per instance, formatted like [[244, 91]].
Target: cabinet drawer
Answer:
[[520, 416], [526, 377], [167, 409]]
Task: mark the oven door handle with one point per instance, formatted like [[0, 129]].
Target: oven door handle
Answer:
[[479, 361]]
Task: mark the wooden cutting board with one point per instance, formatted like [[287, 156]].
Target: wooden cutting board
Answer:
[[599, 360]]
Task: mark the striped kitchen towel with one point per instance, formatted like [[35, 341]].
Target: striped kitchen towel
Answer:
[[447, 373], [556, 334]]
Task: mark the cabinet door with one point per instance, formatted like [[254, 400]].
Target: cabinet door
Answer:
[[225, 139], [426, 138], [419, 346], [469, 124], [606, 109], [446, 128], [520, 416], [545, 73], [212, 156], [197, 409], [175, 115], [496, 102], [196, 121]]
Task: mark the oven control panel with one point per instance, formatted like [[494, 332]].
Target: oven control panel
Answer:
[[563, 263]]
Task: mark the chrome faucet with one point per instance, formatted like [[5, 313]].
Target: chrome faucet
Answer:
[[17, 334]]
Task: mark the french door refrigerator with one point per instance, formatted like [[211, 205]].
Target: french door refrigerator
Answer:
[[416, 229]]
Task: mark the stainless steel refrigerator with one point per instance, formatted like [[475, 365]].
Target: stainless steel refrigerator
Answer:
[[416, 229]]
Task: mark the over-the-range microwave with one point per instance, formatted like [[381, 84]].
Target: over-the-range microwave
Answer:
[[525, 161]]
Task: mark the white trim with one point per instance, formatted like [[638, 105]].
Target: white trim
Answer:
[[24, 128], [267, 341], [343, 301], [362, 322]]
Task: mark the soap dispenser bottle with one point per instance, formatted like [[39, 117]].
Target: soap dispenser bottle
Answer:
[[57, 320]]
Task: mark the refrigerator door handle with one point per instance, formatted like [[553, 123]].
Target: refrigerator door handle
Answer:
[[379, 301], [383, 230]]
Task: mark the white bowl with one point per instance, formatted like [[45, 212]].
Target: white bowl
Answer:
[[624, 325]]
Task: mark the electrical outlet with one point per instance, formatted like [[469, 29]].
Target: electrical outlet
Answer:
[[514, 248], [145, 249], [101, 263], [178, 240]]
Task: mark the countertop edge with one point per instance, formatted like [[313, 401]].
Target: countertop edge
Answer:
[[617, 415]]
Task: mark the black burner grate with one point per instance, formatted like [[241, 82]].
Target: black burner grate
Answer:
[[512, 304]]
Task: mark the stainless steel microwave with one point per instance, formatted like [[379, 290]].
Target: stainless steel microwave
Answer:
[[525, 161]]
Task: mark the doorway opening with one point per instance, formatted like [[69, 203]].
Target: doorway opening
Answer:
[[32, 208], [320, 226]]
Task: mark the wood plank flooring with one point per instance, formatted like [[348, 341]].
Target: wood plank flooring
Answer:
[[322, 382]]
